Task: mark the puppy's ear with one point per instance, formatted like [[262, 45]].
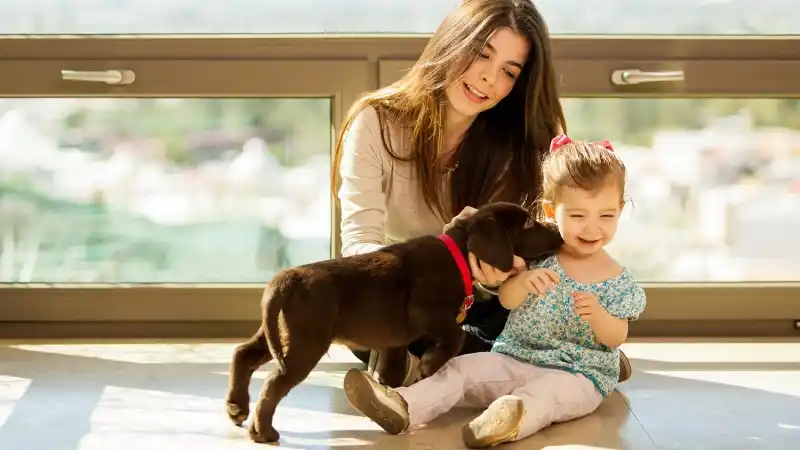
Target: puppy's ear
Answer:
[[490, 243], [538, 240], [510, 216]]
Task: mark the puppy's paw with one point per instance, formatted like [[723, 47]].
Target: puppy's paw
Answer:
[[263, 433], [237, 412]]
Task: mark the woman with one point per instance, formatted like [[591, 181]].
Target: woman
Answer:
[[467, 125]]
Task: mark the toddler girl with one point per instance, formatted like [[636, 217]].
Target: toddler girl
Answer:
[[558, 356]]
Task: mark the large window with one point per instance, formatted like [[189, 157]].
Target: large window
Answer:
[[713, 185], [575, 17], [162, 190], [160, 207]]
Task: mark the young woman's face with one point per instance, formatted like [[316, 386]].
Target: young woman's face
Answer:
[[491, 76]]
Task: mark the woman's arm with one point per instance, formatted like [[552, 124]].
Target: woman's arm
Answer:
[[361, 195]]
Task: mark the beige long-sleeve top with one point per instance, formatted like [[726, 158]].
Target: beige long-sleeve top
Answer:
[[379, 197]]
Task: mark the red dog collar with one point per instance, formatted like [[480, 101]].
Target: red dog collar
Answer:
[[466, 275]]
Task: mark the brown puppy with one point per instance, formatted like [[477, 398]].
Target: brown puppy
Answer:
[[380, 300]]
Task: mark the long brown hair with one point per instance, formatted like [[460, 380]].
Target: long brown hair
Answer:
[[499, 157]]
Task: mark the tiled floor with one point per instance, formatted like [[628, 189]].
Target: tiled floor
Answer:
[[170, 396]]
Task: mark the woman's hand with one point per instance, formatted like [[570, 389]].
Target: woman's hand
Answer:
[[490, 276], [465, 213]]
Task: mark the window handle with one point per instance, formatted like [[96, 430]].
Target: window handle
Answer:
[[627, 77], [114, 77]]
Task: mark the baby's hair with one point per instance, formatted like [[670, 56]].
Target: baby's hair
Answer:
[[584, 165]]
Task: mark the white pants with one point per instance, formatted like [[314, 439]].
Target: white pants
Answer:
[[477, 379]]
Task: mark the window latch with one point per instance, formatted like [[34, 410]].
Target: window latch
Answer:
[[112, 77], [627, 77]]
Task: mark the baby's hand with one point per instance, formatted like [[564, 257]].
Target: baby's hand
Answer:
[[538, 281], [586, 305]]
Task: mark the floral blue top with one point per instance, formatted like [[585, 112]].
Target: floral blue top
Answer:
[[545, 331]]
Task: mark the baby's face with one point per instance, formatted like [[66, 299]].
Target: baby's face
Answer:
[[588, 220]]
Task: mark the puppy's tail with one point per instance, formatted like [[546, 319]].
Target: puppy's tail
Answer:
[[272, 302]]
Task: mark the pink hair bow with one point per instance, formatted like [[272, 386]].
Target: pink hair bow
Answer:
[[563, 139], [558, 141], [605, 143]]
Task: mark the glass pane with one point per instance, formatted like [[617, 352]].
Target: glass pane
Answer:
[[162, 190], [714, 185], [670, 17]]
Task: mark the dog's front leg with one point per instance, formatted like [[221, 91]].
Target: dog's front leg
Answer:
[[449, 339], [391, 366]]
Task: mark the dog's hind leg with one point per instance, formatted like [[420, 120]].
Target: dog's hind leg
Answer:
[[247, 358], [302, 356]]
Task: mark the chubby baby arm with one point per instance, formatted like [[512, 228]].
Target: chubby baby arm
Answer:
[[517, 288], [608, 330], [609, 321]]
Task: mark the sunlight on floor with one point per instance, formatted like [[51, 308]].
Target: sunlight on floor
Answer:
[[714, 352], [574, 447], [156, 396], [784, 382], [323, 378], [769, 367], [139, 412], [187, 353], [11, 390], [167, 353]]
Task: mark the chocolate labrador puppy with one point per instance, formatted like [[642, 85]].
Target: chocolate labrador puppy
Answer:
[[380, 300]]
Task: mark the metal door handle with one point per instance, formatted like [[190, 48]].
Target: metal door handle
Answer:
[[627, 77], [115, 77]]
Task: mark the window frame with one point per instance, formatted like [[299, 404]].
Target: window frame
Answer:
[[341, 68]]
